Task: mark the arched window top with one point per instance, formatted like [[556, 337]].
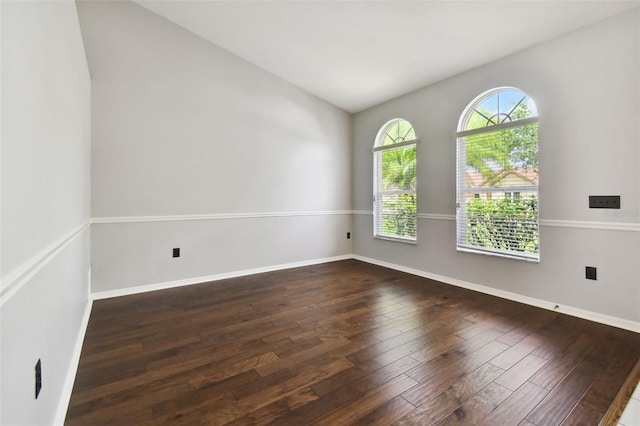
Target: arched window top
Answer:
[[394, 132], [497, 106]]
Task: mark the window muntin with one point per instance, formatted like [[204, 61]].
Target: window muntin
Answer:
[[394, 182], [396, 131], [497, 158], [498, 106]]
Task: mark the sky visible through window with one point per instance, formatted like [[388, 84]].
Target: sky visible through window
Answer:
[[500, 107]]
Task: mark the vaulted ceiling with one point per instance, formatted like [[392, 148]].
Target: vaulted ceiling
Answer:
[[356, 54]]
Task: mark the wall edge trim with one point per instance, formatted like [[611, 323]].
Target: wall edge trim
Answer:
[[217, 216], [551, 223], [606, 226], [568, 310], [215, 277], [23, 273]]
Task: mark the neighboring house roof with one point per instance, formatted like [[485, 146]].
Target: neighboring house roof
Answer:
[[474, 179], [477, 180]]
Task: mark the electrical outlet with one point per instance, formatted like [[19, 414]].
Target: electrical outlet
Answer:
[[38, 377], [348, 235], [176, 252], [590, 273], [604, 201]]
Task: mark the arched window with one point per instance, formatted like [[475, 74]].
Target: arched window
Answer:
[[497, 175], [394, 182]]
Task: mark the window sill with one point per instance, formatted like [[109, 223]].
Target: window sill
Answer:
[[504, 255], [405, 240]]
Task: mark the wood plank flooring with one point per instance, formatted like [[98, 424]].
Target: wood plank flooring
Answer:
[[345, 343]]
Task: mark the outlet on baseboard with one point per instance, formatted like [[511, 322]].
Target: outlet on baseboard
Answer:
[[348, 235]]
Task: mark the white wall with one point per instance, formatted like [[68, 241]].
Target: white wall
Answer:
[[586, 87], [45, 199], [182, 127]]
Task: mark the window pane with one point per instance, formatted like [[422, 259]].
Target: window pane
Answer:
[[504, 224], [398, 131], [398, 216], [504, 158], [399, 169], [501, 107]]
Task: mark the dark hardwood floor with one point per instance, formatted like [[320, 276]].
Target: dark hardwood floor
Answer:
[[345, 343]]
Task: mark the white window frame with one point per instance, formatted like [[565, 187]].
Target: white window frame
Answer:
[[379, 192], [462, 192]]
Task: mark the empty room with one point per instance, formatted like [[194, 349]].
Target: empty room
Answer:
[[349, 212]]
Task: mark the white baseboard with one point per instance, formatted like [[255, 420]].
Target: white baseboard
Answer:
[[569, 310], [216, 277], [65, 395]]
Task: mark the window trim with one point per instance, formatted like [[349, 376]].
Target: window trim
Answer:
[[497, 127], [377, 150], [395, 145], [406, 240], [462, 191]]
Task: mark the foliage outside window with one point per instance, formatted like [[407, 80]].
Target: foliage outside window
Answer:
[[394, 181], [497, 175]]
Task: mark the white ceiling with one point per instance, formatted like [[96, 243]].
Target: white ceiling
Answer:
[[356, 54]]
